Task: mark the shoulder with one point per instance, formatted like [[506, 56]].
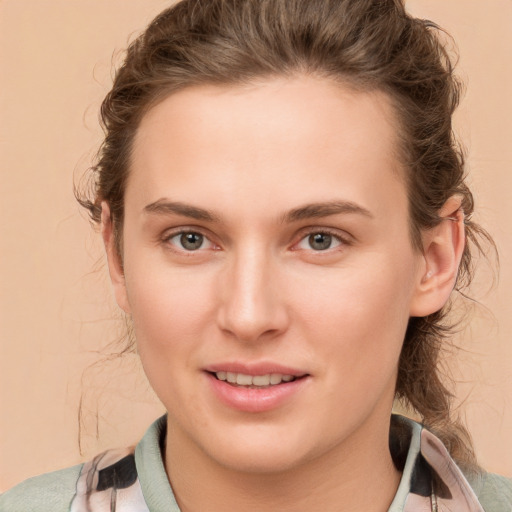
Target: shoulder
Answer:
[[494, 491], [51, 492]]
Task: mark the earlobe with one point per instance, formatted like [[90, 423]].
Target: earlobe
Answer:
[[115, 266], [443, 246]]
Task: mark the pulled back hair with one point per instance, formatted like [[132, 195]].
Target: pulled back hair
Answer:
[[366, 45]]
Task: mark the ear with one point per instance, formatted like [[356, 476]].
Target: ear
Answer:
[[443, 246], [115, 266]]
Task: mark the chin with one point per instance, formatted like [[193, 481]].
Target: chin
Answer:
[[262, 450], [258, 461]]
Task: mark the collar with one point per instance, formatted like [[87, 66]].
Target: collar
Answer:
[[135, 480]]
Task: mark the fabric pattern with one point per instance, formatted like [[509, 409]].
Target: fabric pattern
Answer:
[[109, 483], [431, 481]]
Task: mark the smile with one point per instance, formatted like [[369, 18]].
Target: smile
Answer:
[[256, 388], [254, 381]]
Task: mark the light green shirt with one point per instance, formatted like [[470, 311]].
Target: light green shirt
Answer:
[[55, 492]]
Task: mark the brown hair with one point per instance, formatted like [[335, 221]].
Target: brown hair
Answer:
[[366, 44]]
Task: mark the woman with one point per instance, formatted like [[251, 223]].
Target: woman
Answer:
[[285, 216]]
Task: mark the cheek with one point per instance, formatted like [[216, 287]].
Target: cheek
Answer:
[[170, 308], [169, 317], [358, 314]]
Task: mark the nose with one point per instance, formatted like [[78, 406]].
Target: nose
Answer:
[[252, 305]]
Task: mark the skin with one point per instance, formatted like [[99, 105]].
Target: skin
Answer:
[[257, 291]]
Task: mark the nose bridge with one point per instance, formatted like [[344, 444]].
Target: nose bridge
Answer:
[[251, 305]]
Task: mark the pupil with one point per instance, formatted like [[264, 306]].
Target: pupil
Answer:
[[191, 241], [320, 241]]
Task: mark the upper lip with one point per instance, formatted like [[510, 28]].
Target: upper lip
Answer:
[[254, 368]]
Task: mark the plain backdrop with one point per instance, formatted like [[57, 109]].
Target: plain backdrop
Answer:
[[58, 321]]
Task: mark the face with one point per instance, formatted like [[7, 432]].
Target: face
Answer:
[[268, 268]]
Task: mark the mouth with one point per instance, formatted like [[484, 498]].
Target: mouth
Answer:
[[255, 381], [256, 387]]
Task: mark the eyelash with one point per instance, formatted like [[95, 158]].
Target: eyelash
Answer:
[[341, 240]]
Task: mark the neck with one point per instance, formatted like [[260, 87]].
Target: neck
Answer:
[[357, 475]]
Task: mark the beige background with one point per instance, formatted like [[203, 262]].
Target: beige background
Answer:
[[56, 310]]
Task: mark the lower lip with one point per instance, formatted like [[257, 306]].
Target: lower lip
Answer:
[[254, 399]]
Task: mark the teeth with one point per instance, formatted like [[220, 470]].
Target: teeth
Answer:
[[261, 380], [276, 378], [241, 379]]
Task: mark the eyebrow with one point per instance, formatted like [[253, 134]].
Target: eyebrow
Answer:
[[317, 210], [308, 211], [165, 207]]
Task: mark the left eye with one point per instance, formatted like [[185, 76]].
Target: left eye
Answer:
[[319, 241], [190, 241]]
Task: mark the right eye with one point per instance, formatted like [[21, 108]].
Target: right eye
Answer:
[[189, 241]]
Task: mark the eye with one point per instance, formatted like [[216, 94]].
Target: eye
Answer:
[[320, 241], [189, 241]]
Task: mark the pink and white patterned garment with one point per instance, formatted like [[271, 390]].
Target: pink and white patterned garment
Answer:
[[109, 483], [431, 481]]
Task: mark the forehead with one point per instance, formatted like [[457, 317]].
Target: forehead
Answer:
[[304, 137]]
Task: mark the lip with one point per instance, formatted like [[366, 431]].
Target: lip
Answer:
[[255, 368], [255, 400]]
